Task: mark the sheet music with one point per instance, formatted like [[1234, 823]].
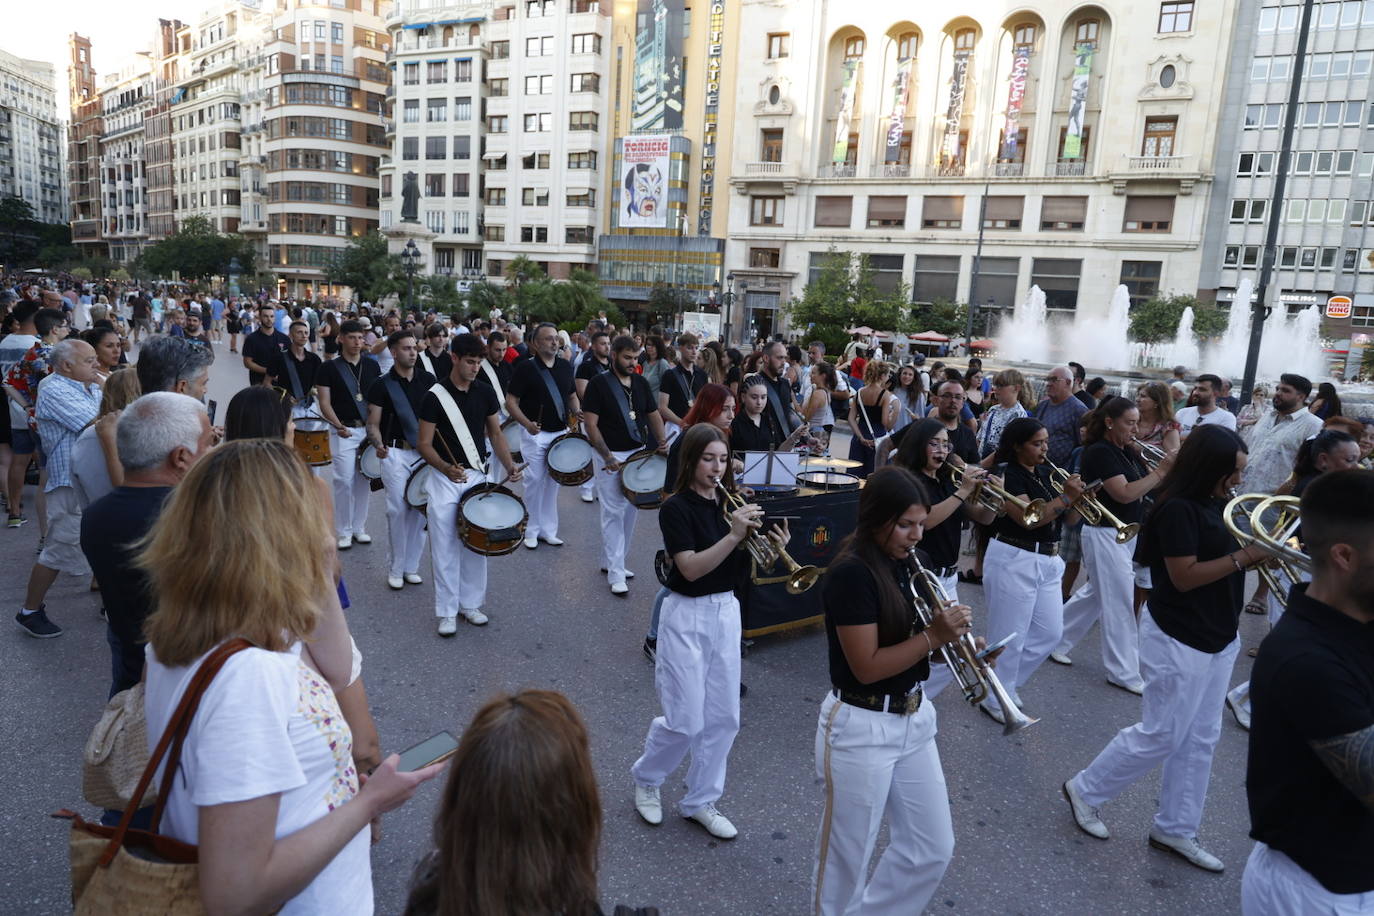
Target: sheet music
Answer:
[[770, 468]]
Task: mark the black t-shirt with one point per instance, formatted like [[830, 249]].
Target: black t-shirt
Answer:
[[528, 384], [264, 349], [732, 377], [347, 408], [963, 441], [783, 389], [1102, 461], [110, 527], [681, 388], [607, 397], [1204, 618], [307, 371], [1021, 482], [142, 308], [1086, 399], [503, 375], [475, 404], [746, 437], [591, 367], [689, 521], [443, 363], [415, 388], [850, 595], [941, 543], [1313, 680]]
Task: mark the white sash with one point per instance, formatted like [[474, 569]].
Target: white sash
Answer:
[[495, 383], [460, 426], [429, 363]]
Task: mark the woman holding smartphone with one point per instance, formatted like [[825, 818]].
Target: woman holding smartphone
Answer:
[[875, 738], [697, 669]]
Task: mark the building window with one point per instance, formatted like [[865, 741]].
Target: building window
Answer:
[[1249, 164], [434, 221], [834, 212], [778, 45], [434, 185], [411, 74], [582, 120], [534, 161], [585, 160], [538, 123], [942, 213], [436, 147], [410, 147], [462, 109], [534, 233], [765, 257], [1175, 16], [586, 198], [539, 47], [498, 88], [1267, 116], [887, 272], [586, 44], [1086, 30], [462, 147], [494, 234], [906, 45], [584, 82], [1148, 214], [1158, 140], [496, 197], [1141, 279], [535, 197], [1003, 212], [1084, 144], [1058, 278], [437, 72], [1283, 18], [500, 50], [936, 278], [1248, 211], [410, 111], [965, 39], [765, 211], [997, 281], [1023, 34], [539, 85], [436, 110], [770, 145], [462, 71], [887, 213], [496, 124], [854, 48], [461, 184]]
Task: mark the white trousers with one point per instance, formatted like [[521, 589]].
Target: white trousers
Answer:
[[541, 490], [697, 677], [874, 763], [351, 491], [618, 516], [1024, 597], [460, 575], [405, 526], [1110, 595], [940, 675], [1180, 722], [1275, 885]]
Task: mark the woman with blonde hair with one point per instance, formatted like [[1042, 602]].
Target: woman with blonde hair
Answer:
[[267, 786], [710, 364], [872, 413], [1157, 426]]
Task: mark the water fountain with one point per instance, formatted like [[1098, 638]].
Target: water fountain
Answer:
[[1104, 336], [1026, 338], [1184, 350], [1228, 356]]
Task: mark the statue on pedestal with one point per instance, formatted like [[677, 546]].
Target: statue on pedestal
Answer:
[[410, 198]]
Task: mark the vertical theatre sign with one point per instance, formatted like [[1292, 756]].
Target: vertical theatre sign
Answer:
[[1020, 67], [846, 113], [896, 124], [950, 153], [1078, 101], [715, 42]]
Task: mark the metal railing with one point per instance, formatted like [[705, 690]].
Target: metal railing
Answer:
[[1071, 167], [837, 171], [890, 170]]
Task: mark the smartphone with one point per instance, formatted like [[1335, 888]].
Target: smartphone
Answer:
[[429, 751], [210, 407]]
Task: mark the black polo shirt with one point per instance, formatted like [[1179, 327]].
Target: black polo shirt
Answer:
[[307, 371], [475, 404], [443, 363], [591, 367], [415, 388], [1313, 680], [681, 387], [1102, 461], [1021, 482], [851, 598], [963, 441], [941, 543], [347, 408], [783, 389], [688, 521], [1206, 617], [747, 437], [609, 398], [532, 393], [503, 375], [264, 349]]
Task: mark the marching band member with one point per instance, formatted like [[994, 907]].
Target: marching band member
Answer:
[[781, 405], [341, 387], [434, 358], [1022, 566], [454, 417], [679, 386], [540, 397], [495, 370], [875, 737], [296, 370], [1110, 591], [618, 409], [1188, 647], [393, 428], [698, 670], [1310, 777], [595, 361], [755, 428]]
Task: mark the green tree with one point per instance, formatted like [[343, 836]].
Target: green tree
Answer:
[[667, 301], [940, 316], [846, 295], [486, 298], [365, 266], [197, 251], [1157, 319], [521, 270]]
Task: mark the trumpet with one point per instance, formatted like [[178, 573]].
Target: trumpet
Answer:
[[974, 675], [1149, 454], [1092, 510], [1277, 537], [766, 554], [995, 498]]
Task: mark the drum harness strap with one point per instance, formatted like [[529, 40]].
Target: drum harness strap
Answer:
[[351, 383], [626, 414], [297, 391], [546, 373], [460, 427], [783, 416], [495, 382], [405, 411]]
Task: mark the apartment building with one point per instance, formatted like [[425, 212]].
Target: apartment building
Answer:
[[1325, 245], [1079, 138], [32, 138], [83, 150], [167, 55], [126, 100]]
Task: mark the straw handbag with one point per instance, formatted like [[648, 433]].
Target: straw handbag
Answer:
[[120, 871], [117, 753]]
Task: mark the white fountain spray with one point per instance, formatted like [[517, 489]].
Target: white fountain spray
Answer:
[[1098, 338], [1026, 338], [1184, 351], [1229, 355]]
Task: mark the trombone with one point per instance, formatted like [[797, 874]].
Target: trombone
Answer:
[[1245, 519], [995, 498], [1092, 510], [972, 673], [1149, 454], [767, 554]]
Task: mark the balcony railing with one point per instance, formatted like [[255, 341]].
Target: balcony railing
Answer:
[[837, 171], [1071, 167], [950, 170], [890, 170], [763, 168], [1009, 169], [1158, 163]]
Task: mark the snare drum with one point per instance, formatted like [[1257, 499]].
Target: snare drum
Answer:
[[828, 481], [369, 465], [491, 520], [312, 442], [642, 478], [513, 433], [570, 459], [417, 490]]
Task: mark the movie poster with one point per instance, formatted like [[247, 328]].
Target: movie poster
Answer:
[[1078, 101], [644, 182], [1020, 67], [657, 102], [949, 149], [847, 92], [896, 124]]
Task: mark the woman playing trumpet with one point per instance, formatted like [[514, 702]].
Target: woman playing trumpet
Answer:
[[697, 670]]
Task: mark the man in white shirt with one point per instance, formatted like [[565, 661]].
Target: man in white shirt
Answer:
[[1206, 412]]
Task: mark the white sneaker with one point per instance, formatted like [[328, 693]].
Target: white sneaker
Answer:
[[414, 579], [362, 537], [620, 588], [396, 583], [1135, 687], [1060, 658], [554, 542], [993, 711], [716, 824], [628, 574], [448, 626], [1186, 848], [345, 541], [474, 616], [1238, 708], [587, 497], [531, 542], [1084, 815], [648, 804]]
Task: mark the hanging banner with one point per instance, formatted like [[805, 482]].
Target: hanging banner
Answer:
[[949, 150], [657, 102], [901, 92], [715, 44], [1020, 67], [847, 93], [1078, 101], [644, 182]]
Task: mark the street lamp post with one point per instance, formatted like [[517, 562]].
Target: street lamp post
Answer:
[[409, 256], [728, 303]]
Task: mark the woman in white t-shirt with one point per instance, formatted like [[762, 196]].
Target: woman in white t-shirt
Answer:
[[267, 787]]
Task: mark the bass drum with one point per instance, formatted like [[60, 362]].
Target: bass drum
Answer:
[[642, 478], [570, 459], [417, 491], [515, 438], [491, 520], [369, 465]]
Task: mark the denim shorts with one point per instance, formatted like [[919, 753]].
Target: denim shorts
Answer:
[[24, 441]]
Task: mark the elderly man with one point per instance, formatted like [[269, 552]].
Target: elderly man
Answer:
[[158, 438], [68, 400], [1061, 413]]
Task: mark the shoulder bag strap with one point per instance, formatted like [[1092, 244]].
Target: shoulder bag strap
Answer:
[[405, 411], [460, 427]]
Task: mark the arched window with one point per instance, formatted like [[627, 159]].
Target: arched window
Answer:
[[854, 48], [906, 45], [1023, 33], [1087, 30], [448, 34], [473, 32], [964, 39]]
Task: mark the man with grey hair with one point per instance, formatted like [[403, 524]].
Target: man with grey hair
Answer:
[[68, 400], [159, 437], [174, 364]]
